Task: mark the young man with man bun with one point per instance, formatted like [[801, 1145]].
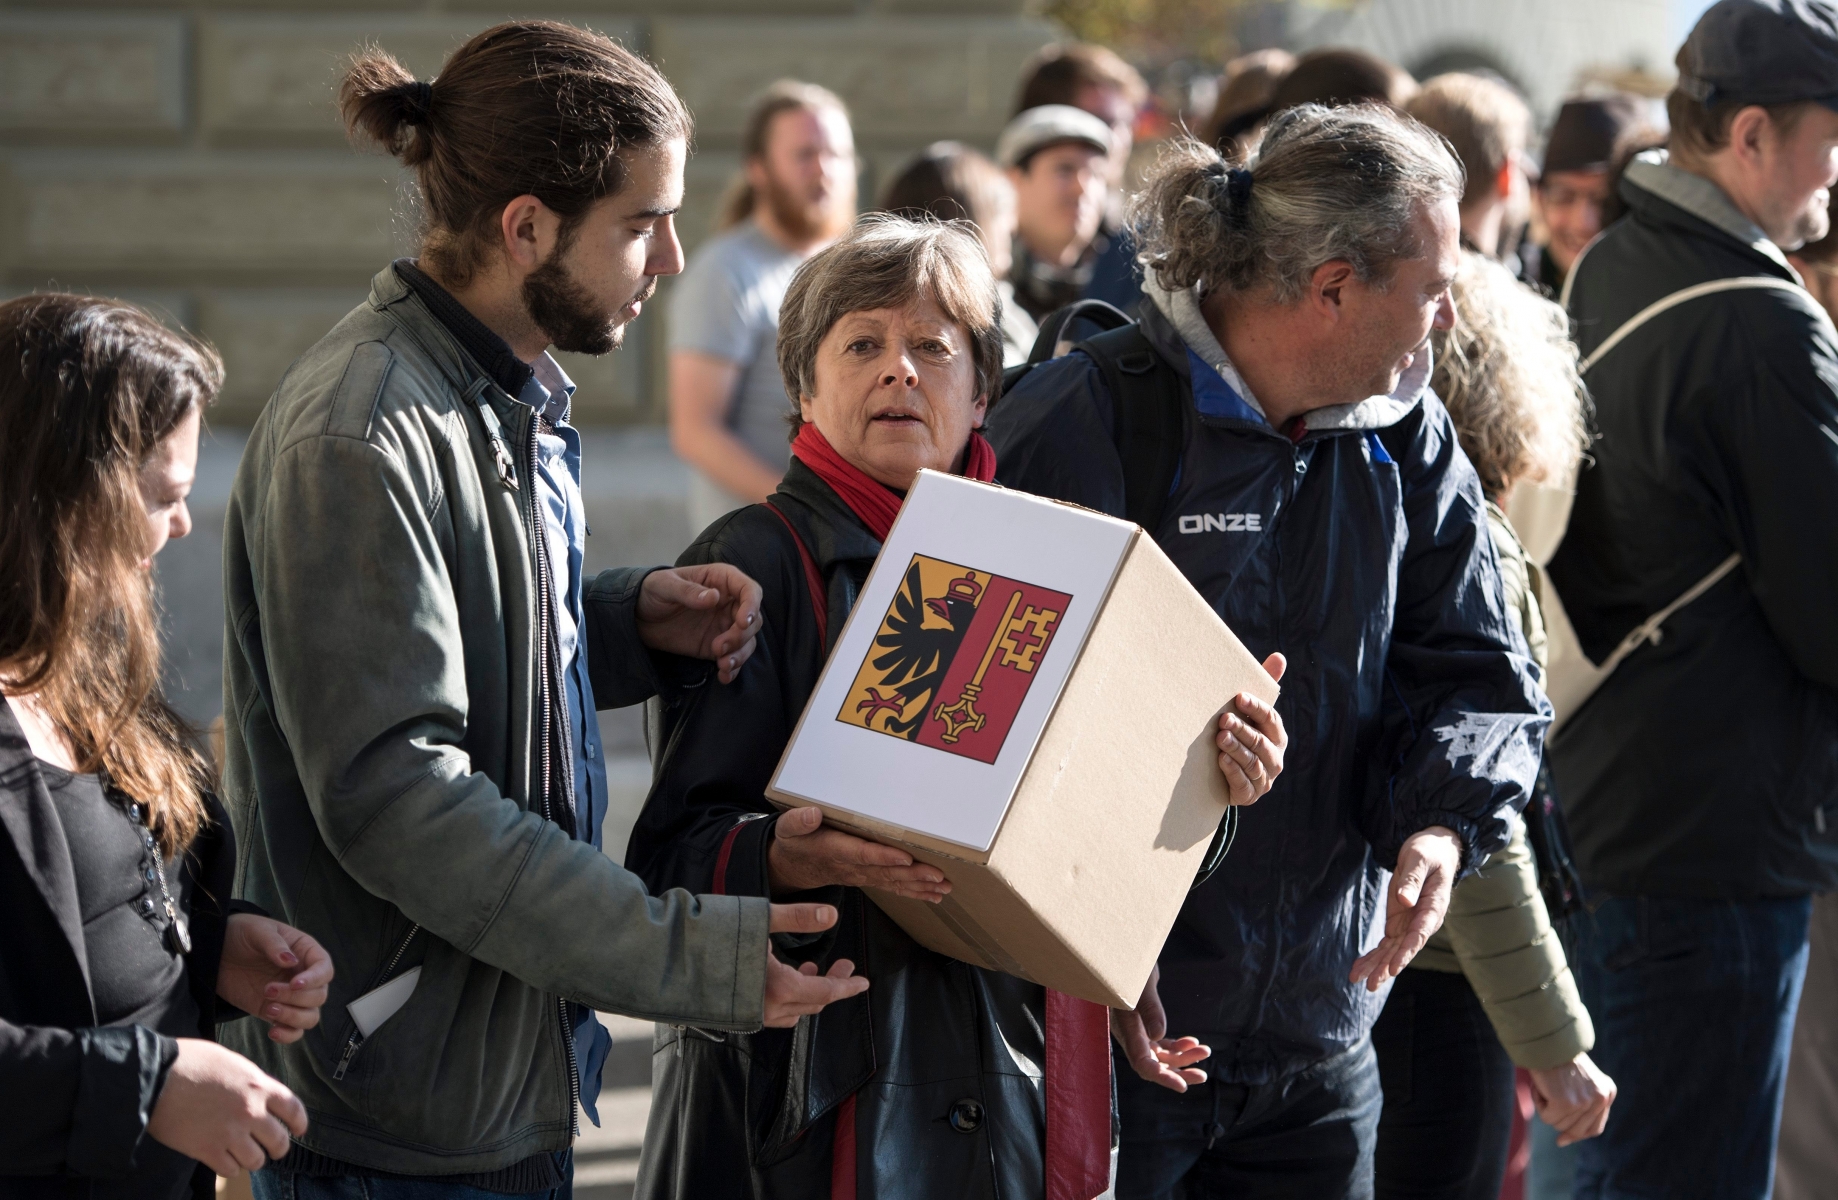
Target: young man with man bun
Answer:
[[415, 655]]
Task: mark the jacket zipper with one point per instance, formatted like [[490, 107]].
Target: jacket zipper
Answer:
[[357, 1039], [546, 667]]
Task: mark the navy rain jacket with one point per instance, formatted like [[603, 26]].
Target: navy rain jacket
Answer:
[[1360, 551]]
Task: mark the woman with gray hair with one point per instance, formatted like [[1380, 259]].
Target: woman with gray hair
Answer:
[[945, 1080]]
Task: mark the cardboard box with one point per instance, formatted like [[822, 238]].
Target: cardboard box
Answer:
[[1026, 696]]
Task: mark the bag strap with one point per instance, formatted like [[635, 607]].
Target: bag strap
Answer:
[[813, 578], [1709, 288], [1649, 629], [1581, 680], [1147, 400]]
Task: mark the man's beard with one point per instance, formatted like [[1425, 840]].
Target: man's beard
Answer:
[[1813, 223], [807, 220], [568, 312]]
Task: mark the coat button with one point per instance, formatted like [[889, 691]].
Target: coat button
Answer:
[[966, 1116], [146, 906]]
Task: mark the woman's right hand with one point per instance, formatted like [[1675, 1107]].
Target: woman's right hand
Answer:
[[803, 855], [223, 1110], [1573, 1099]]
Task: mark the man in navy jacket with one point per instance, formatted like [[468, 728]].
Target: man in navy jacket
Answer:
[[1322, 506]]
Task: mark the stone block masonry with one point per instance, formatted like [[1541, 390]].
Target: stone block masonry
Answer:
[[189, 151]]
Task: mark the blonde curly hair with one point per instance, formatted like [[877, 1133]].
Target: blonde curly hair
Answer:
[[1508, 374]]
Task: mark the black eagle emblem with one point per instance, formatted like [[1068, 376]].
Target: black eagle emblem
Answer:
[[915, 658]]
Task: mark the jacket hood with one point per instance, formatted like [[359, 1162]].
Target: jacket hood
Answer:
[[1182, 310], [1650, 172]]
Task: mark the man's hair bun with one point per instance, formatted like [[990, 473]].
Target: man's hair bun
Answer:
[[382, 102]]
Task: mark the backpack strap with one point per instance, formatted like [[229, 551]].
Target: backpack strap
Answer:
[[813, 578], [1098, 312], [1148, 400]]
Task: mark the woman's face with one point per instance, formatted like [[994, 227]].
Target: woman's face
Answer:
[[896, 391], [165, 481]]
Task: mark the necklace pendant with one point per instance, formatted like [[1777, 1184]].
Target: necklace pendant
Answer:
[[178, 938]]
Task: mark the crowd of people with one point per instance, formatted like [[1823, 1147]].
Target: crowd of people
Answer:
[[1536, 447]]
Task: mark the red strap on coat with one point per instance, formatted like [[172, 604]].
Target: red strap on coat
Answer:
[[842, 1152], [1078, 1097], [813, 578], [721, 859]]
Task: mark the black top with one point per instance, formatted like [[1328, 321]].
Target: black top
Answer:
[[134, 976], [91, 1001]]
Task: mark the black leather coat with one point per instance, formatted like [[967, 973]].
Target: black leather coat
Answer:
[[945, 1060]]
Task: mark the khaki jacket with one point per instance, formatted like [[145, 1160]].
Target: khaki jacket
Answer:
[[380, 673]]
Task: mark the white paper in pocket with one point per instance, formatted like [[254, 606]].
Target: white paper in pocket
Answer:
[[380, 1004]]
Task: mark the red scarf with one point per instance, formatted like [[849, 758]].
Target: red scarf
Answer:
[[1078, 1031], [869, 499]]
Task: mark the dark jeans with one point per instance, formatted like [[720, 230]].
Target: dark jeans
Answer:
[[1307, 1137], [1449, 1094], [270, 1185], [1693, 1002]]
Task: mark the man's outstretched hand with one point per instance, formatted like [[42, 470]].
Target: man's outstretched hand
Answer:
[[710, 612], [1143, 1035], [1415, 906], [793, 992]]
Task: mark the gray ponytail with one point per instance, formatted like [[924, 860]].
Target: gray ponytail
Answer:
[[1326, 184]]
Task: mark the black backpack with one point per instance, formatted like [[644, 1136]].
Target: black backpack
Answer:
[[1148, 393]]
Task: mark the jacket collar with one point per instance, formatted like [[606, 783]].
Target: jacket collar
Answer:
[[390, 293], [832, 531], [1652, 174], [1217, 384], [28, 817]]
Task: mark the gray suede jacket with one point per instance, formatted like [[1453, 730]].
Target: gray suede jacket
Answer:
[[380, 690]]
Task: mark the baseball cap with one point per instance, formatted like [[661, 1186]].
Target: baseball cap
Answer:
[[1588, 130], [1037, 128], [1762, 52]]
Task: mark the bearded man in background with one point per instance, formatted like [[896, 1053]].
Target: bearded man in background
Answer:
[[795, 196]]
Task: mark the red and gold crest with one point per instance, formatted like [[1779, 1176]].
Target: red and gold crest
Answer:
[[954, 658]]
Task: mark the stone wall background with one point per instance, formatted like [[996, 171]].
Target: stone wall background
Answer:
[[189, 155]]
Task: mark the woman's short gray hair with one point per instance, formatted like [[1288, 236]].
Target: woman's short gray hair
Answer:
[[1325, 184], [888, 261]]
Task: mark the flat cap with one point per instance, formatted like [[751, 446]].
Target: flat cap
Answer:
[[1037, 128], [1762, 52]]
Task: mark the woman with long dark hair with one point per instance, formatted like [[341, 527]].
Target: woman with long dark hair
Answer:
[[122, 948]]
